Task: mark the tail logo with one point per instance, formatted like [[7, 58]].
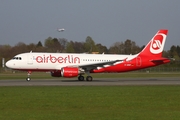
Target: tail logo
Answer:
[[157, 43]]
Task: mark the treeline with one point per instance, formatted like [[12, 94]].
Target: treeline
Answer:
[[63, 45]]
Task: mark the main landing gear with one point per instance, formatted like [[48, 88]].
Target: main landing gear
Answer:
[[80, 78], [88, 78], [28, 74]]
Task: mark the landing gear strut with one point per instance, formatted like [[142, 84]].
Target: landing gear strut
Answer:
[[89, 78], [28, 74]]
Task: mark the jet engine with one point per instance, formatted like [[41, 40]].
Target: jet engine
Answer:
[[71, 71]]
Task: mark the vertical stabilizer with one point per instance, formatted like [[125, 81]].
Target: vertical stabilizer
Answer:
[[156, 45]]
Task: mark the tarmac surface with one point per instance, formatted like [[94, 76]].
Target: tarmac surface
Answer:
[[95, 82]]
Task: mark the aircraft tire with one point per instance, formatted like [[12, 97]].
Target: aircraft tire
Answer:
[[89, 78], [28, 79], [81, 78]]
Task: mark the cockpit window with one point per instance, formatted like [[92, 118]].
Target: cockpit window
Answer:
[[17, 58]]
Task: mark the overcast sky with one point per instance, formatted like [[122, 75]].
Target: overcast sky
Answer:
[[106, 21]]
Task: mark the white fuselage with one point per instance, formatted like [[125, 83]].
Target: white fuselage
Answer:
[[56, 61]]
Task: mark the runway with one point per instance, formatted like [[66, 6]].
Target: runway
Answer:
[[95, 82]]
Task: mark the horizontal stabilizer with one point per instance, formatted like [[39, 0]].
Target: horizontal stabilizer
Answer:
[[160, 60]]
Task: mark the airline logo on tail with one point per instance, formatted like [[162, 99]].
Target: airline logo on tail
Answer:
[[157, 43]]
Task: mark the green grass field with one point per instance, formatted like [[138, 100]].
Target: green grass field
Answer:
[[90, 103]]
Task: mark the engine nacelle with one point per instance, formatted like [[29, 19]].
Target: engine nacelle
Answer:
[[56, 73], [71, 71]]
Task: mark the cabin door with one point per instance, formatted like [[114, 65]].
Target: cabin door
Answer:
[[138, 61]]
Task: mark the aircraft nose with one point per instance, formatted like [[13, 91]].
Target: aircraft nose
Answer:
[[9, 64]]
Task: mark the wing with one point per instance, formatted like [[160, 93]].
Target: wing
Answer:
[[102, 64]]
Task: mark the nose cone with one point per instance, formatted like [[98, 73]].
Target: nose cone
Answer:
[[9, 64]]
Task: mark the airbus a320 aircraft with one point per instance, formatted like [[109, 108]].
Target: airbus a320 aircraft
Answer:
[[73, 65], [60, 29]]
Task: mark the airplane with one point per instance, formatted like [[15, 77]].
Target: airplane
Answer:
[[60, 29], [76, 65]]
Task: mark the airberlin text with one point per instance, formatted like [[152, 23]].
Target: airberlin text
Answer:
[[57, 59]]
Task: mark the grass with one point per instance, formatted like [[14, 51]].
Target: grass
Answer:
[[90, 102]]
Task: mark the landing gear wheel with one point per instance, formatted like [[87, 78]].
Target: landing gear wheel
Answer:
[[28, 79], [81, 78], [89, 78]]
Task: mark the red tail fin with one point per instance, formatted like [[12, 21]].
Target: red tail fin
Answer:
[[156, 45]]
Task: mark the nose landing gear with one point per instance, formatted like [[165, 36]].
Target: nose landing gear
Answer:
[[28, 74]]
